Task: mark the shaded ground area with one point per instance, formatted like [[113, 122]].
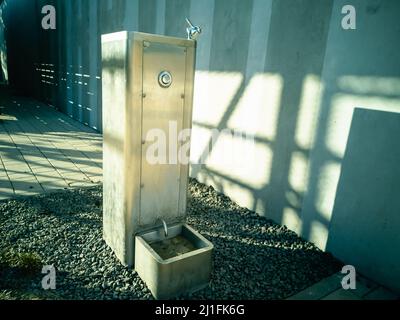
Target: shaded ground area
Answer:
[[254, 257]]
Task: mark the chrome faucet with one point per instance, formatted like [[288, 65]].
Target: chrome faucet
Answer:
[[165, 227], [192, 31]]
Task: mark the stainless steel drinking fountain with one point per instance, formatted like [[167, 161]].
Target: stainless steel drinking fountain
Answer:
[[147, 83]]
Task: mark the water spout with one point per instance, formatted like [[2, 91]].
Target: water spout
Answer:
[[192, 31], [165, 227]]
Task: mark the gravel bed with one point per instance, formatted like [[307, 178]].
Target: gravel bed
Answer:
[[254, 257]]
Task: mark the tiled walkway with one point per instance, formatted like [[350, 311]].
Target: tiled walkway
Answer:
[[331, 289], [43, 150]]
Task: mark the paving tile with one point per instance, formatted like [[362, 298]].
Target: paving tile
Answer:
[[32, 160], [71, 168], [51, 151], [35, 159], [63, 164], [26, 187], [41, 143], [28, 193], [15, 165], [381, 294], [342, 294], [6, 193], [48, 175], [53, 184], [72, 173], [330, 289], [91, 171], [28, 148], [320, 289], [364, 286], [22, 176], [82, 184], [98, 163], [8, 149], [35, 153], [76, 178], [96, 178], [19, 173], [12, 159], [5, 183], [42, 168]]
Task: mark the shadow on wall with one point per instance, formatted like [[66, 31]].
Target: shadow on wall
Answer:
[[273, 103], [280, 108], [299, 111], [366, 215], [248, 177]]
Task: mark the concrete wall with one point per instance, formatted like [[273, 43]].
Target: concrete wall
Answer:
[[3, 47], [62, 66], [312, 104], [18, 17], [352, 204]]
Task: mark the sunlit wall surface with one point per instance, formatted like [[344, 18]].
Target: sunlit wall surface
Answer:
[[286, 104]]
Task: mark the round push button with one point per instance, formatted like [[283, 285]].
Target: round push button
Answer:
[[165, 79]]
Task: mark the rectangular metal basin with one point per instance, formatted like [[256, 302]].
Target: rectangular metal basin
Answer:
[[177, 264]]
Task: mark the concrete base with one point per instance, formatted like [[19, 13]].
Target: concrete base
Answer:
[[167, 278]]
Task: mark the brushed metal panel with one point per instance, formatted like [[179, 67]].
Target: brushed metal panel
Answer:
[[141, 36], [114, 113], [187, 124], [133, 145], [160, 187]]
